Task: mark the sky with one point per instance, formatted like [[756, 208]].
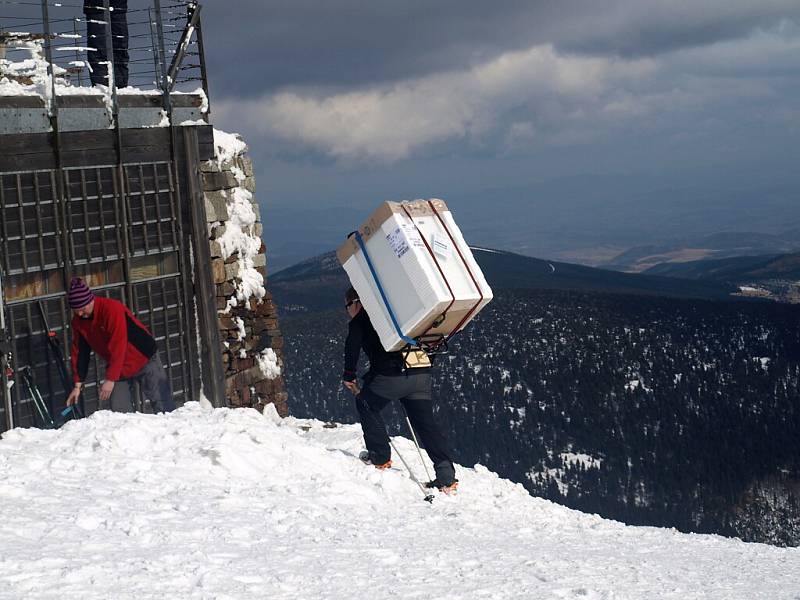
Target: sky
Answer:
[[559, 108], [351, 100]]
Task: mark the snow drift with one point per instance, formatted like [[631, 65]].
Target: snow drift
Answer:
[[224, 503]]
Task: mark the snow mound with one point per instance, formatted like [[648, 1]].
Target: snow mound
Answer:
[[220, 503]]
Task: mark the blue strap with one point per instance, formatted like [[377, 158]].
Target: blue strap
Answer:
[[405, 338]]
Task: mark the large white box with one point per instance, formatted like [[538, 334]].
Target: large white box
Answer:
[[425, 268]]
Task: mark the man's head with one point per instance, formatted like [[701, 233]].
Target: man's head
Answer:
[[351, 302], [81, 298]]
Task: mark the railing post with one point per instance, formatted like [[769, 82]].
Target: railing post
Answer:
[[183, 44], [155, 50], [165, 84], [202, 56], [77, 52], [48, 53], [112, 84]]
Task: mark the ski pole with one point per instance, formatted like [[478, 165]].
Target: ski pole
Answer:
[[427, 497], [416, 443], [38, 401], [54, 345]]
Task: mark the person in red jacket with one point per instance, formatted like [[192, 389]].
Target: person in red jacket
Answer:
[[109, 328]]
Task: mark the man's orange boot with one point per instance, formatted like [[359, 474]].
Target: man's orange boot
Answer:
[[367, 459]]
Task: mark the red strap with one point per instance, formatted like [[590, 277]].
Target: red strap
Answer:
[[438, 266], [463, 260]]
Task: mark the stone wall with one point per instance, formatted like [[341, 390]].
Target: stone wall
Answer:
[[252, 343]]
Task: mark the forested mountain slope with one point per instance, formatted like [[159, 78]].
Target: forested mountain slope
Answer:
[[651, 410]]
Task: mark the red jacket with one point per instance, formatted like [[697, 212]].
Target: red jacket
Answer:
[[116, 335]]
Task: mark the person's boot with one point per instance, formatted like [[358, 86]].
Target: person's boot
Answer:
[[368, 458], [443, 486], [445, 481]]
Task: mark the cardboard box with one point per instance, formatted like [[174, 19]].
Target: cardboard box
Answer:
[[425, 268]]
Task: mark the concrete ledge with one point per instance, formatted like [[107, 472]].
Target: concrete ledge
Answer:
[[28, 114], [23, 120]]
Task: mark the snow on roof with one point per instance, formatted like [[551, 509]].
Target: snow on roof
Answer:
[[224, 503], [29, 77]]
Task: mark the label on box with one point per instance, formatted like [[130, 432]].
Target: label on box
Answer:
[[440, 245], [397, 242], [413, 236]]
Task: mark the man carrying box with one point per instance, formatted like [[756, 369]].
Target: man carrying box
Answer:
[[388, 380]]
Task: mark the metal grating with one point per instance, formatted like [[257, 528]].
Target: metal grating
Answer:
[[29, 223], [123, 234]]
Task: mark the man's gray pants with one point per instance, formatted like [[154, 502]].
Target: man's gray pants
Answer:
[[413, 390], [155, 386]]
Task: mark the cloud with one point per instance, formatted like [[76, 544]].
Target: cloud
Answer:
[[258, 46], [389, 123], [541, 97]]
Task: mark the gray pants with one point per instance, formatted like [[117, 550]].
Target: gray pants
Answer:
[[155, 386], [413, 390]]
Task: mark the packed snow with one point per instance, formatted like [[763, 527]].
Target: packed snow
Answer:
[[233, 504], [227, 146], [268, 363], [239, 234]]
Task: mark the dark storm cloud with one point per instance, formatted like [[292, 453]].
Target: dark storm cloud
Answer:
[[257, 46], [349, 103]]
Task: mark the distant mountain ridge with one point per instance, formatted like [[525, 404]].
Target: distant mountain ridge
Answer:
[[319, 283], [644, 259], [740, 269]]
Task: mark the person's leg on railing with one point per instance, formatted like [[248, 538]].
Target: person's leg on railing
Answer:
[[119, 33], [96, 42]]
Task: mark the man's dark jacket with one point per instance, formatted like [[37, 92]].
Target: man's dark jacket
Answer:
[[362, 335]]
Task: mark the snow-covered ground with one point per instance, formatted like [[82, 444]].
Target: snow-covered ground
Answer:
[[230, 504]]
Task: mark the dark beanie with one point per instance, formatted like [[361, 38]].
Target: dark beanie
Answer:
[[79, 293]]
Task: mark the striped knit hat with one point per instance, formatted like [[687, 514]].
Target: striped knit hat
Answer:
[[79, 293]]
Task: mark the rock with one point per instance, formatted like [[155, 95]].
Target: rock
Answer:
[[218, 270], [209, 166], [232, 271], [218, 203], [260, 260], [219, 181], [215, 248]]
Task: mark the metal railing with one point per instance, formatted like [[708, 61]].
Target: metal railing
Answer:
[[165, 44]]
